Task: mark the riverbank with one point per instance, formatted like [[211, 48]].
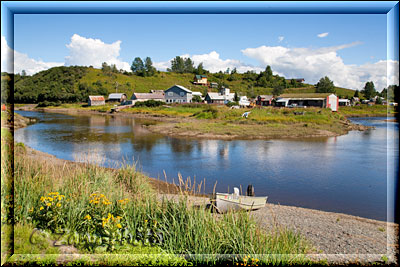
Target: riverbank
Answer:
[[220, 122], [337, 238]]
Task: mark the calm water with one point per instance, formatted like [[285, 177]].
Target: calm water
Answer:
[[346, 174]]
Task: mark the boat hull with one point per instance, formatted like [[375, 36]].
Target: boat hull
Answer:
[[226, 202]]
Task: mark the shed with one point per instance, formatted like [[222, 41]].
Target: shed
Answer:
[[264, 100], [96, 100], [117, 97]]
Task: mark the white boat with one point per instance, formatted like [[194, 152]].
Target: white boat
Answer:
[[225, 202]]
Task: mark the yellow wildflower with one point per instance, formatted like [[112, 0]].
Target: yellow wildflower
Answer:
[[87, 217], [48, 204], [50, 198], [119, 225], [42, 199], [31, 209], [58, 205], [41, 208]]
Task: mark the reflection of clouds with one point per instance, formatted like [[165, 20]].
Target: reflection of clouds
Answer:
[[210, 149]]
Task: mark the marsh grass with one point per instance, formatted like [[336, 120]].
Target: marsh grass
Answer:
[[185, 229]]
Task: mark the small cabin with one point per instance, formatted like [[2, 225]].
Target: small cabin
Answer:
[[117, 97], [200, 79], [96, 100]]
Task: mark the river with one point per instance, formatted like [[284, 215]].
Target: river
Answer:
[[352, 174]]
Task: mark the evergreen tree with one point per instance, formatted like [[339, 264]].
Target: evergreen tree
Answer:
[[357, 94], [189, 68], [200, 69], [137, 66], [325, 85], [148, 65], [178, 65], [369, 90]]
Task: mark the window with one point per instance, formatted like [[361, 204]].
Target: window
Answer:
[[170, 93], [182, 94]]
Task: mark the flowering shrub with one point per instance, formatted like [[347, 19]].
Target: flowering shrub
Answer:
[[49, 213]]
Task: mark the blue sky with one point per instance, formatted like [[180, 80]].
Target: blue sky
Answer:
[[350, 49], [164, 36]]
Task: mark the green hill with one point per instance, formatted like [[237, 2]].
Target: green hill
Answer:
[[76, 83]]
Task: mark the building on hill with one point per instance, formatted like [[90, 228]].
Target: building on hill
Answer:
[[298, 80], [178, 94], [140, 97], [117, 97], [323, 100], [96, 100], [200, 79], [213, 85], [264, 100], [223, 97]]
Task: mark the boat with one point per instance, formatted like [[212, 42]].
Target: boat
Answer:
[[223, 202]]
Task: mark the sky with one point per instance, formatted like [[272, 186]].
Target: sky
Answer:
[[350, 49]]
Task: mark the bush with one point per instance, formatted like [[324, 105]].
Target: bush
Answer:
[[230, 104], [149, 103], [49, 103]]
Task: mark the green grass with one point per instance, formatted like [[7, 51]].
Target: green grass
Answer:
[[184, 228], [365, 110]]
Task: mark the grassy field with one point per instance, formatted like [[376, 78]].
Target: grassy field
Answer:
[[262, 123], [113, 217], [367, 111], [164, 80]]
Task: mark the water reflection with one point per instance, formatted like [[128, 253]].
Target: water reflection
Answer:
[[343, 174]]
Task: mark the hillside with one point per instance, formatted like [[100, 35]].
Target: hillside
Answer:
[[75, 84]]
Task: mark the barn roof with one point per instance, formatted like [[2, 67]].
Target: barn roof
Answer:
[[96, 98], [157, 95], [116, 95]]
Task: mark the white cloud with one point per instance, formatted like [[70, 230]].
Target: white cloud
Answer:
[[312, 64], [322, 35], [87, 51], [22, 61], [212, 62], [280, 38]]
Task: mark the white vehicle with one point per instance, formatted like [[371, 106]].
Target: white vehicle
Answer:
[[243, 101]]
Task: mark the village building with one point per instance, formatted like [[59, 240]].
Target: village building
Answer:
[[117, 97], [96, 100], [156, 96], [298, 80], [344, 102], [264, 100], [178, 94], [200, 79], [323, 100], [223, 97], [213, 85]]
